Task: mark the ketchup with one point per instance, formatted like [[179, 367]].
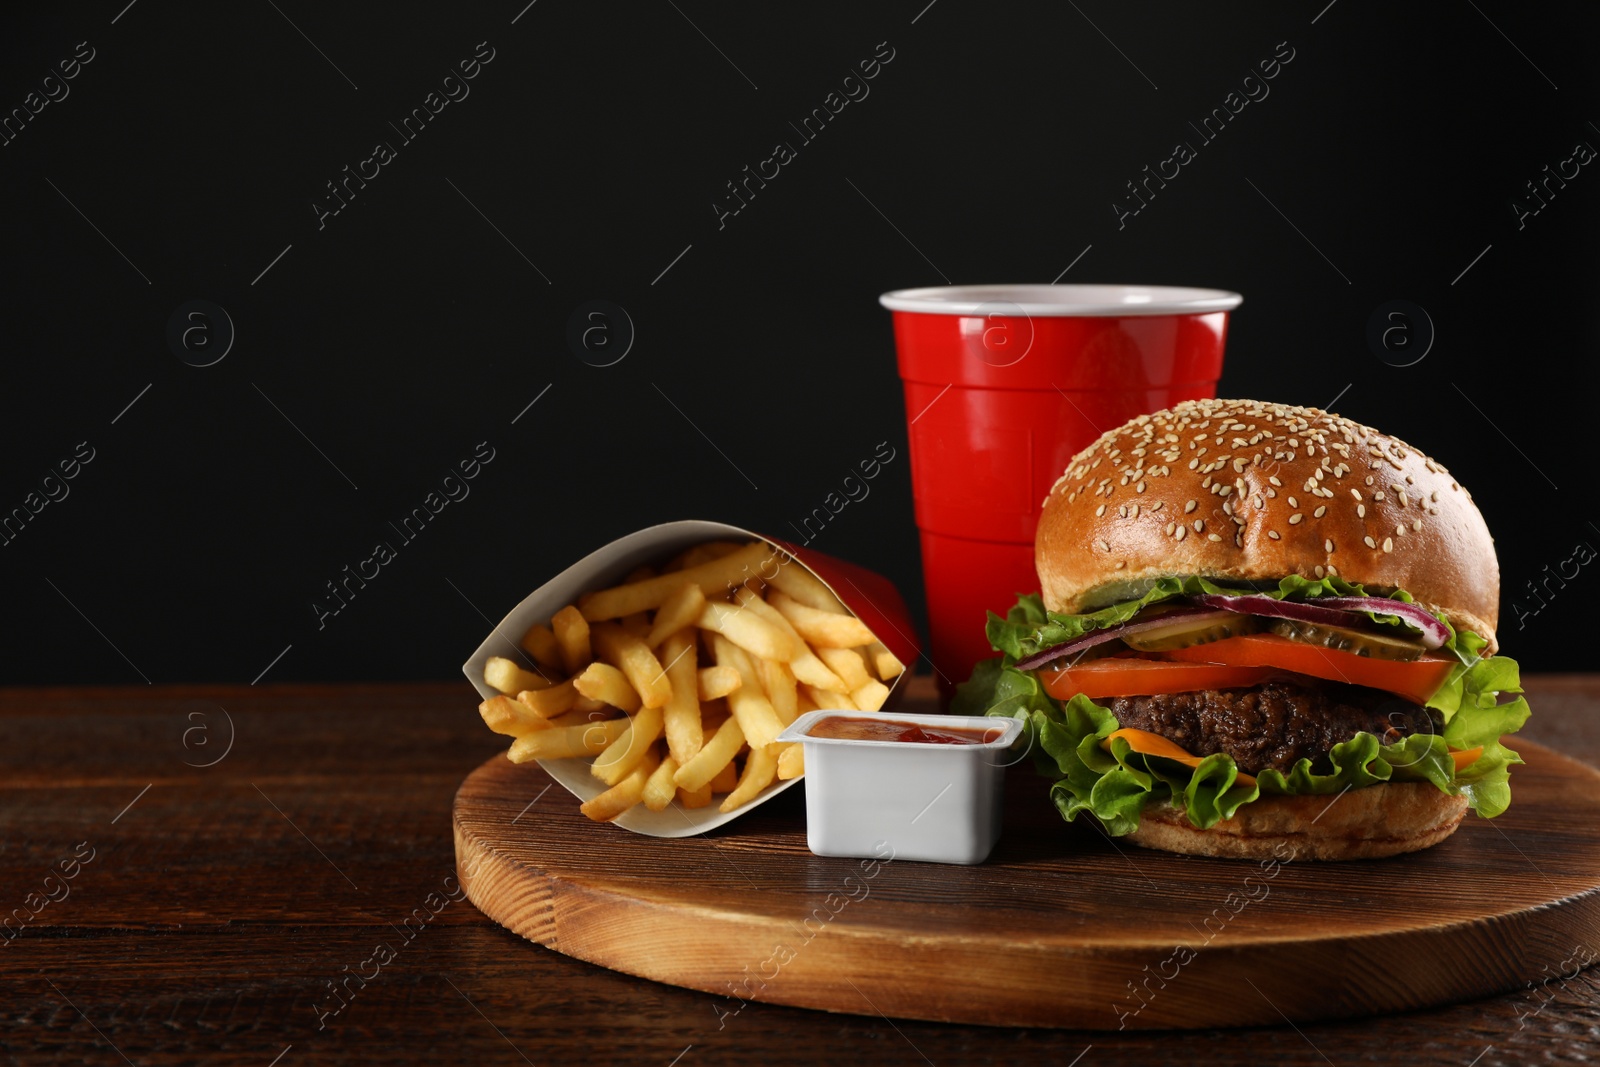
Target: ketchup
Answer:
[[846, 728]]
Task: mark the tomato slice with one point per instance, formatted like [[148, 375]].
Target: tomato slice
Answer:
[[1118, 676], [1416, 680]]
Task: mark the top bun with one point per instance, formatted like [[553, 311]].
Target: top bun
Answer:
[[1246, 490]]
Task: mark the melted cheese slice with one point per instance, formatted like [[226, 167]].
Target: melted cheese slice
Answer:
[[1149, 744]]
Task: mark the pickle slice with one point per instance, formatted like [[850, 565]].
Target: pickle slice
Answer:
[[1190, 631], [1345, 639]]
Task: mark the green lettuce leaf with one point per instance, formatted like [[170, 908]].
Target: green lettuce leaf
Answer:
[[1114, 783]]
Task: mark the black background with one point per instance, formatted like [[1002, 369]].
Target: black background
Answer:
[[379, 350]]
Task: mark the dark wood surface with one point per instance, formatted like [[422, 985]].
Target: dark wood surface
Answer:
[[1002, 944], [219, 907]]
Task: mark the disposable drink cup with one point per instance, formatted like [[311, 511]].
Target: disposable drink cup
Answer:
[[1004, 384]]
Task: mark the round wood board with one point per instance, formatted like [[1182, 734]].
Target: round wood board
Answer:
[[1061, 927]]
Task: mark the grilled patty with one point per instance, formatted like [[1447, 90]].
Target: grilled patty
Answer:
[[1274, 724]]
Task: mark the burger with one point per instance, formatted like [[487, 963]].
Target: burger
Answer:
[[1261, 631]]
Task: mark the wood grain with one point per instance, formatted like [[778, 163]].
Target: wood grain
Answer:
[[1061, 927], [207, 926]]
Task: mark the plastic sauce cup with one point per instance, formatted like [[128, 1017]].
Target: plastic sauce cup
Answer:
[[1004, 384], [905, 799]]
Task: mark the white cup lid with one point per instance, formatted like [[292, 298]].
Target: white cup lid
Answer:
[[1061, 300]]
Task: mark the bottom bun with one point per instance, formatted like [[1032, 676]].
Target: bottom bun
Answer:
[[1367, 823]]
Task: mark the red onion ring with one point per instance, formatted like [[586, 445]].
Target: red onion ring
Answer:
[[1434, 632], [1333, 611]]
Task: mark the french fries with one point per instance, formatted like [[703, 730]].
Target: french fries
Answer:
[[716, 754], [719, 681], [713, 577], [540, 643], [552, 701], [622, 796], [683, 717], [511, 679], [636, 742], [679, 610], [603, 682], [755, 713], [678, 681], [886, 663], [504, 715], [629, 654], [759, 771], [791, 762], [564, 742], [750, 631], [572, 636], [801, 585], [659, 788], [823, 629]]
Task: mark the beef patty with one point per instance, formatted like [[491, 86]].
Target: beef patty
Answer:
[[1274, 724]]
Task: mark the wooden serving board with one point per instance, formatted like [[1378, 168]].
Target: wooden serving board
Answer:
[[1061, 927]]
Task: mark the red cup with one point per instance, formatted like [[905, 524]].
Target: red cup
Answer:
[[1004, 384]]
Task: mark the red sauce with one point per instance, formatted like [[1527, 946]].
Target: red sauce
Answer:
[[846, 728]]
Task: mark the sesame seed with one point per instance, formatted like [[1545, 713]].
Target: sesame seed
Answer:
[[1183, 531], [1369, 542], [1327, 546], [1357, 494], [1105, 546], [1293, 503], [1170, 527], [1416, 524], [1199, 525], [1378, 495], [1213, 537], [1121, 563], [1361, 511], [1321, 511], [1274, 535], [1123, 511], [1274, 480], [1388, 544], [1135, 513], [1139, 487], [1190, 506], [1319, 570], [1400, 531], [1101, 510], [1401, 495]]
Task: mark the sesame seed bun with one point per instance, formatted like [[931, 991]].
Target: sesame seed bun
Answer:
[[1369, 823], [1246, 490]]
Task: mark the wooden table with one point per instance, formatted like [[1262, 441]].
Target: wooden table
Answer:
[[205, 914]]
